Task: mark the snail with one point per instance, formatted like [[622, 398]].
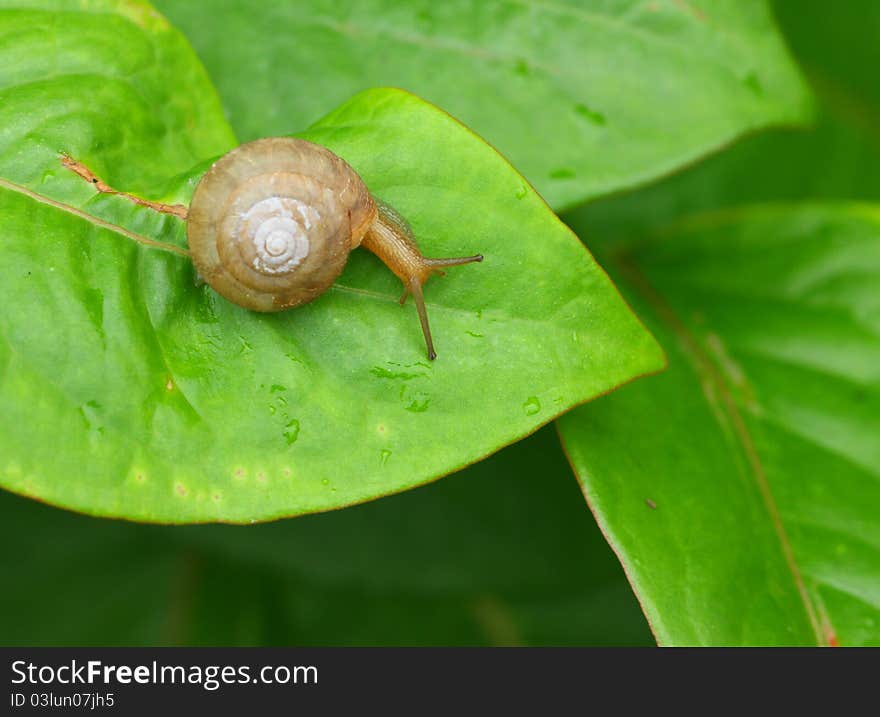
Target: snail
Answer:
[[271, 224]]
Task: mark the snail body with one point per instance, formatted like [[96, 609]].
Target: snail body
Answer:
[[271, 225]]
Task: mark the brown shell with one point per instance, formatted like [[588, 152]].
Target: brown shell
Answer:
[[272, 222]]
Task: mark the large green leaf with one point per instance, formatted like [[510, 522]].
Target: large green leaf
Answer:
[[585, 98], [838, 158], [109, 80], [501, 553], [740, 489], [129, 391]]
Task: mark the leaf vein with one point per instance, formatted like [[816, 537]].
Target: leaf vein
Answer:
[[101, 223], [705, 368]]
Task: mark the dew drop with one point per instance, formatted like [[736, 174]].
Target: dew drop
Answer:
[[291, 431], [418, 405], [381, 372], [590, 115], [532, 406], [325, 481], [384, 455]]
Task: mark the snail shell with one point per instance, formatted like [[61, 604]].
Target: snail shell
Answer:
[[271, 224]]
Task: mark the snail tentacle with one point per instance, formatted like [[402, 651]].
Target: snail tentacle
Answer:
[[415, 287]]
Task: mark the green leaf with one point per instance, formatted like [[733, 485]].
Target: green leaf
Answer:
[[105, 80], [584, 100], [501, 553], [838, 158], [758, 449], [131, 392]]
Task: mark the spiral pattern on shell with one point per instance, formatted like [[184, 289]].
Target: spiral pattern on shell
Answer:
[[272, 222]]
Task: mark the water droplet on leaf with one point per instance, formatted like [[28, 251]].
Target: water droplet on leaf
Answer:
[[291, 432], [532, 406], [590, 115]]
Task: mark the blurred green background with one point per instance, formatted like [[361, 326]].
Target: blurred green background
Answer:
[[503, 553]]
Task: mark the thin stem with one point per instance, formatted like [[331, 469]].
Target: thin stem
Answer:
[[78, 168], [116, 229]]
